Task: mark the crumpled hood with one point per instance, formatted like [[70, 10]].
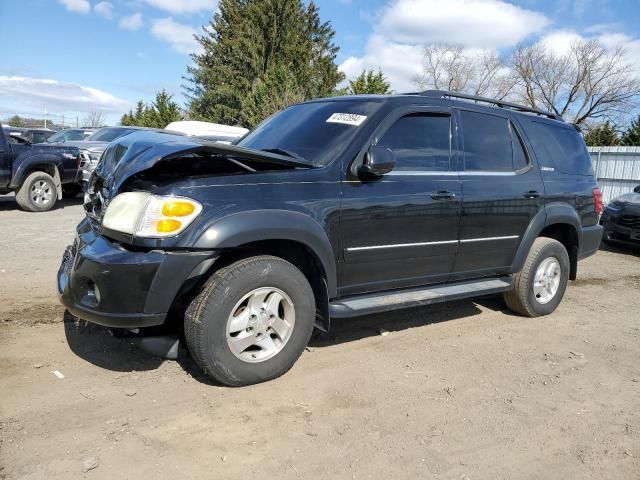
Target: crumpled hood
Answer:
[[137, 152]]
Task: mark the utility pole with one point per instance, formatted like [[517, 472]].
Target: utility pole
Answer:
[[63, 121], [76, 121]]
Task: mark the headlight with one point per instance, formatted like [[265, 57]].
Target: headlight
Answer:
[[145, 215]]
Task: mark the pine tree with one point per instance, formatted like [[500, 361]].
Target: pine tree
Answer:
[[158, 114], [631, 136], [247, 45], [603, 135], [370, 82]]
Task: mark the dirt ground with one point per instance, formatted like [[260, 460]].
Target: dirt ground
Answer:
[[455, 391]]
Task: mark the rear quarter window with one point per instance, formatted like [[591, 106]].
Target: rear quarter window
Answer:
[[560, 147]]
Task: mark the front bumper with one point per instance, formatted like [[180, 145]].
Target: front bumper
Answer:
[[620, 234], [102, 282]]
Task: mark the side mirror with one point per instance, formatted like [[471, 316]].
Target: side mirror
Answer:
[[377, 161], [637, 189]]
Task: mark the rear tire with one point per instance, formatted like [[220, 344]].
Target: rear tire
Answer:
[[539, 287], [251, 321], [37, 193]]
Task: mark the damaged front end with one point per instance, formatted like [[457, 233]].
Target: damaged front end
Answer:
[[128, 263]]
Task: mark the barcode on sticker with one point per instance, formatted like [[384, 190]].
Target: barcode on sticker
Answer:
[[347, 118]]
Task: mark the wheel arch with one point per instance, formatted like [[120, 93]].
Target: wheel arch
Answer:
[[293, 236], [25, 165], [559, 221]]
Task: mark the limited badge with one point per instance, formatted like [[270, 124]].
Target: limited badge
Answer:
[[347, 118]]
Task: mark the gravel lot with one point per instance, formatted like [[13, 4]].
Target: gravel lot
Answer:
[[455, 391]]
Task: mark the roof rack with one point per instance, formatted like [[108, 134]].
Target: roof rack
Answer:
[[492, 101]]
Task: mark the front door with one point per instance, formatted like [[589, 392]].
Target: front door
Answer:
[[502, 191], [402, 229]]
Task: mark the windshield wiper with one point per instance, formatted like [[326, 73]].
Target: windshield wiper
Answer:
[[282, 151]]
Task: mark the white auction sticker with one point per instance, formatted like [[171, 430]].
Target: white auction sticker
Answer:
[[347, 118]]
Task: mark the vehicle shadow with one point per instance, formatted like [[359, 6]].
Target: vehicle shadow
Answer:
[[97, 345], [358, 328], [620, 249], [8, 203]]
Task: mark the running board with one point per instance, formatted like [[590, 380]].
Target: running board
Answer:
[[414, 297]]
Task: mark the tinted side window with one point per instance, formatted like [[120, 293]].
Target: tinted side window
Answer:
[[419, 142], [487, 142], [561, 147]]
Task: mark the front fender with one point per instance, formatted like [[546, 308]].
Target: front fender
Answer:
[[24, 163], [242, 228]]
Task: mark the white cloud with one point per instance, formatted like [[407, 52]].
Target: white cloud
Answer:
[[131, 22], [178, 35], [402, 28], [82, 6], [183, 6], [560, 41], [473, 23], [105, 9], [63, 96]]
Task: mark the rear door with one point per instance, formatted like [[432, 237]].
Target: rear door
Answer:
[[502, 190], [402, 229]]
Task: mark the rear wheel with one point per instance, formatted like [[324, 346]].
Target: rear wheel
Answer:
[[251, 321], [539, 287], [38, 193]]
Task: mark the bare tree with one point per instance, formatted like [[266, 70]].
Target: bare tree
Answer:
[[586, 83], [93, 119], [451, 67]]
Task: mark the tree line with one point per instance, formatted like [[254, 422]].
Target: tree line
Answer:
[[259, 56]]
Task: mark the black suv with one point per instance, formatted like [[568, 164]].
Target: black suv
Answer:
[[331, 208]]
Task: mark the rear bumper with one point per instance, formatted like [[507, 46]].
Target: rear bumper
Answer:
[[102, 282], [590, 241]]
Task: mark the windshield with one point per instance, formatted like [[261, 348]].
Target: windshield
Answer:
[[68, 135], [109, 134], [317, 132]]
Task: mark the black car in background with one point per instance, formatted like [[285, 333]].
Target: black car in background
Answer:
[[621, 219]]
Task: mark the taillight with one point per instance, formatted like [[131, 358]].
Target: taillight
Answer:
[[597, 201]]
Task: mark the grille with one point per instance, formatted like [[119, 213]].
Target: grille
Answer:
[[629, 221]]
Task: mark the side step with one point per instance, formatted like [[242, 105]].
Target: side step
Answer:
[[414, 297]]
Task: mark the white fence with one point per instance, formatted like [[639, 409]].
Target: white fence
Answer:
[[617, 170]]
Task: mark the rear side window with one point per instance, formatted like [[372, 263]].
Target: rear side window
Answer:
[[560, 147], [488, 145], [419, 142]]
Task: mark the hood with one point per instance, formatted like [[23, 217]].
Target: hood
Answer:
[[88, 145], [136, 153], [631, 198]]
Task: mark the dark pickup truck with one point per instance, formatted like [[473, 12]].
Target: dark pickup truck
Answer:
[[39, 173]]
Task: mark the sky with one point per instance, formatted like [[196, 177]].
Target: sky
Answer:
[[74, 56]]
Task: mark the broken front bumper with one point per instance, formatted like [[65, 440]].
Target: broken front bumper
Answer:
[[102, 282]]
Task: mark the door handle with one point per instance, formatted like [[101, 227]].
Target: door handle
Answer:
[[443, 195], [531, 194]]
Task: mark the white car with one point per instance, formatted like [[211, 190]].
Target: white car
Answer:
[[209, 131]]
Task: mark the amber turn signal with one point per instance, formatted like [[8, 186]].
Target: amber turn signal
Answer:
[[177, 208], [167, 225]]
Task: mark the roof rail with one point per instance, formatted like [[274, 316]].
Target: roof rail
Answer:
[[492, 101]]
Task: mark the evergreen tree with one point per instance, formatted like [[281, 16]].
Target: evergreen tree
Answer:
[[631, 136], [15, 121], [369, 82], [158, 114], [250, 43], [603, 135]]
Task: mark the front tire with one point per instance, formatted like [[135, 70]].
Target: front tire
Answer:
[[37, 193], [539, 287], [251, 321]]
